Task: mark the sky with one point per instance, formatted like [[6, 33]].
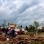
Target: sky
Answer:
[[22, 12]]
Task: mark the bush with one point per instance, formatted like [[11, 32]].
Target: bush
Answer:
[[39, 31]]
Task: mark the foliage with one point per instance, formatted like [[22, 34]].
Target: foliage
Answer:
[[39, 31], [31, 28], [26, 28], [36, 24], [21, 26]]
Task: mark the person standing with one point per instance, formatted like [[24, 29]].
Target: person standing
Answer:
[[12, 33]]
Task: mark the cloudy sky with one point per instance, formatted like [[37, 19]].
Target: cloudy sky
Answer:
[[22, 12]]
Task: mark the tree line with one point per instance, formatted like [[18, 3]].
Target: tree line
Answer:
[[34, 28]]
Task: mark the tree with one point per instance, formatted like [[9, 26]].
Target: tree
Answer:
[[36, 25], [26, 28], [21, 26], [3, 25], [31, 28]]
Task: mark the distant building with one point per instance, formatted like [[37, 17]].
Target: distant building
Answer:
[[40, 27], [19, 29], [11, 25]]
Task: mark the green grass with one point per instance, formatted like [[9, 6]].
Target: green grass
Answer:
[[42, 33], [35, 42]]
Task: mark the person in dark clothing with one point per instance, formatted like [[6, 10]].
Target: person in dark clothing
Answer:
[[12, 32], [6, 31], [20, 32]]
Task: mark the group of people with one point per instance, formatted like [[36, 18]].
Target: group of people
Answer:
[[11, 32]]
